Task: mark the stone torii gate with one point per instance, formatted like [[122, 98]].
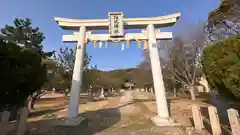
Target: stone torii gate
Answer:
[[116, 25]]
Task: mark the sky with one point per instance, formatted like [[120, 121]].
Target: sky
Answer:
[[42, 13]]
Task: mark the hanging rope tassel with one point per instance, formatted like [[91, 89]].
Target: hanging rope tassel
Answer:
[[94, 44], [116, 44], [128, 43], [100, 44], [145, 44], [123, 46], [106, 44], [139, 43]]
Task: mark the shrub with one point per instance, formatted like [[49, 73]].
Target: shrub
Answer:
[[221, 65]]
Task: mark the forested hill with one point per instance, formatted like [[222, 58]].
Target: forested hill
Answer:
[[116, 78]]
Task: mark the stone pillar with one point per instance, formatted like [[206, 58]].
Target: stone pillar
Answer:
[[102, 94], [53, 90], [233, 117], [162, 117], [197, 117], [4, 117], [214, 120], [73, 105], [22, 121]]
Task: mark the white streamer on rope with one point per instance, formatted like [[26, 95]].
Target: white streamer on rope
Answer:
[[122, 46], [100, 44], [106, 44]]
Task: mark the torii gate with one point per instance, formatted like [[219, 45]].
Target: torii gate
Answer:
[[116, 25]]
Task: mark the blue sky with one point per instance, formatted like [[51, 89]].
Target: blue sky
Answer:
[[42, 13]]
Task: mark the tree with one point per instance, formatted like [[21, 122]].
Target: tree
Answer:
[[180, 58], [51, 73], [22, 73], [23, 34], [221, 65], [145, 63], [93, 79], [183, 65], [65, 64], [184, 58]]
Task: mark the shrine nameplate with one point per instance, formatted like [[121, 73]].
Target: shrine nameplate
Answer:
[[116, 24]]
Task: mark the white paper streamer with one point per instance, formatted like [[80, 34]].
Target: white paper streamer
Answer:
[[100, 44], [122, 47], [106, 45]]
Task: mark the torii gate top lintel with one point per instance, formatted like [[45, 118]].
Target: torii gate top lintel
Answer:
[[129, 23]]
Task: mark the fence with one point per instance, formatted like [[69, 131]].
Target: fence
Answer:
[[213, 120], [20, 125]]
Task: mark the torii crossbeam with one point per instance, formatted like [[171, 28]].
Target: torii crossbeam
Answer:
[[129, 23], [116, 25], [106, 37]]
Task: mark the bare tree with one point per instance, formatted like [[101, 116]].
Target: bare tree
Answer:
[[65, 59], [146, 63], [183, 64], [180, 58]]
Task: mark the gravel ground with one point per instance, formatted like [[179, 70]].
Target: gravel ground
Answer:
[[113, 118]]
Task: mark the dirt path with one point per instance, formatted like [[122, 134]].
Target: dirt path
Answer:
[[111, 118]]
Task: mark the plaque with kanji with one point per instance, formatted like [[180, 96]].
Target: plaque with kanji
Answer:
[[116, 26]]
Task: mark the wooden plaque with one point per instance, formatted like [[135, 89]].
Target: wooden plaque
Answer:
[[116, 24]]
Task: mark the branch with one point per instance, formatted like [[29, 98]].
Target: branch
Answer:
[[182, 69], [196, 52], [182, 82], [187, 65], [187, 71], [172, 78]]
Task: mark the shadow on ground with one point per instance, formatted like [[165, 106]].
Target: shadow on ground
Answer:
[[103, 120], [83, 99], [96, 121], [42, 112], [169, 101], [45, 110]]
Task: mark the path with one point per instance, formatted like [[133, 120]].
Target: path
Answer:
[[111, 117], [117, 118]]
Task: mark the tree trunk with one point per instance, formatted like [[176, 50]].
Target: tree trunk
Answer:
[[30, 103], [192, 92], [174, 92]]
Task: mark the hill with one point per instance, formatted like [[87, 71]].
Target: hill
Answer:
[[116, 78]]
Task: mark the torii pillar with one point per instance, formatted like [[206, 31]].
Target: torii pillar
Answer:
[[163, 117]]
